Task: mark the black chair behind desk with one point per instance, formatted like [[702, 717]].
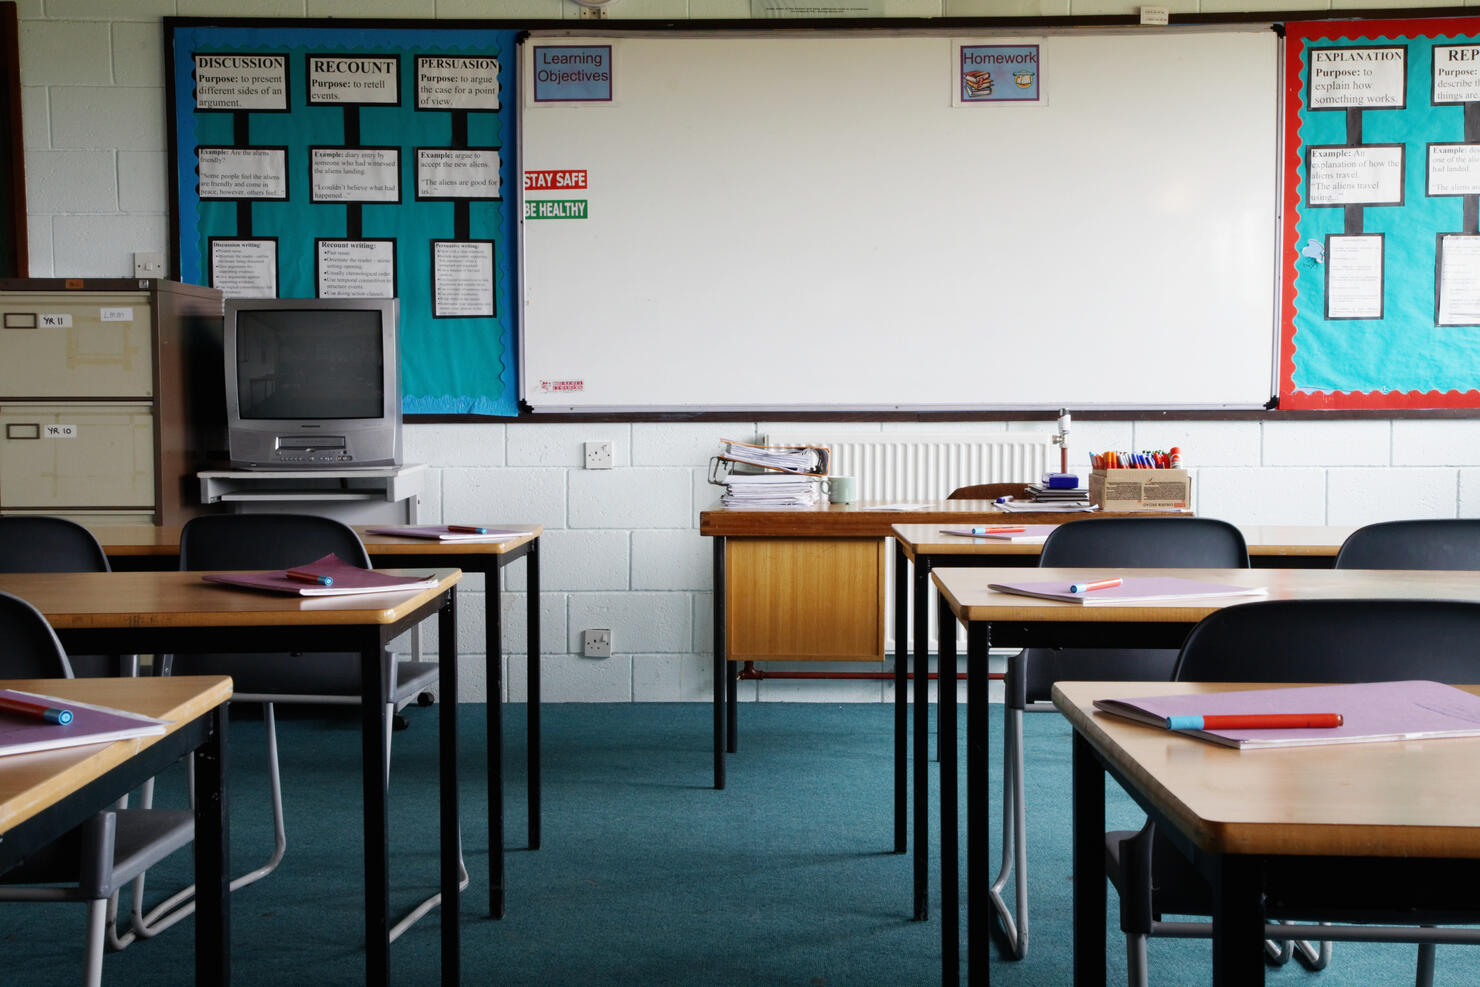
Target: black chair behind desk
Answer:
[[94, 861], [279, 541], [1151, 542], [1295, 641]]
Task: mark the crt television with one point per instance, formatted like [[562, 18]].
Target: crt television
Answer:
[[312, 383]]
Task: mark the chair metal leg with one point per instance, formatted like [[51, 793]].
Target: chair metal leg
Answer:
[[1014, 839], [1135, 959], [97, 916], [1425, 974]]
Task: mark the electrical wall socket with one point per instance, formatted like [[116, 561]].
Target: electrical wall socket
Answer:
[[598, 455], [596, 642], [149, 264]]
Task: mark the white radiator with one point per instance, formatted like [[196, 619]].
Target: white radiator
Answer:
[[928, 466], [907, 467]]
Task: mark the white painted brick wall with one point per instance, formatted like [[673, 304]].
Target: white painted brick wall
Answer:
[[622, 547]]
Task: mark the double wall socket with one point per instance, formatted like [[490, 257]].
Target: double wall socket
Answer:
[[598, 455], [596, 642]]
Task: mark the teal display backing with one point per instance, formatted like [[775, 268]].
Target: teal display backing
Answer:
[[449, 366]]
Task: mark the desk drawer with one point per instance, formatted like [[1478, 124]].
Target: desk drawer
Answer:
[[69, 345], [804, 599]]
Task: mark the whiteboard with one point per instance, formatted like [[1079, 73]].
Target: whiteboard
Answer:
[[786, 222]]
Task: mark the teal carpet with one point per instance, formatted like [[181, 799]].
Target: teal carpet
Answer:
[[647, 875]]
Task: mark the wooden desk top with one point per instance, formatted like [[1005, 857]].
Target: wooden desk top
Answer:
[[30, 783], [969, 598], [868, 518], [147, 540], [1400, 799], [1320, 541], [78, 600]]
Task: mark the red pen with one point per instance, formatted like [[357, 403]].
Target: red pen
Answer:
[[304, 576], [1254, 721], [1005, 530], [40, 711], [471, 529], [1097, 584]]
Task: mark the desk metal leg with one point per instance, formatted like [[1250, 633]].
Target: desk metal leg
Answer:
[[1089, 866], [451, 835], [532, 660], [212, 875], [950, 866], [922, 743], [901, 699], [494, 714], [719, 662], [1238, 922], [372, 760], [978, 875]]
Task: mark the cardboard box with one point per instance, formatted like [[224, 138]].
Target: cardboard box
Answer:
[[1140, 490]]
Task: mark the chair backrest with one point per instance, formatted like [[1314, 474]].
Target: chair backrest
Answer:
[[266, 541], [989, 491], [30, 648], [1431, 543], [48, 544], [1335, 641], [1148, 542]]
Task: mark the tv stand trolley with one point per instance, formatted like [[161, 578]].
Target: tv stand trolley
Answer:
[[355, 496]]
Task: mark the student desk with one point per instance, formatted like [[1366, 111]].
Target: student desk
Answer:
[[140, 547], [44, 795], [1002, 619], [1336, 824], [175, 612]]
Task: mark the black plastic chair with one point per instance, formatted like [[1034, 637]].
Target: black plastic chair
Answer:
[[1150, 542], [94, 861], [1291, 641], [277, 541], [42, 543], [1431, 543]]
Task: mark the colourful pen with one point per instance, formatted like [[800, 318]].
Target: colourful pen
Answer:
[[1254, 721], [471, 529], [304, 576], [1097, 584], [41, 711], [1007, 530]]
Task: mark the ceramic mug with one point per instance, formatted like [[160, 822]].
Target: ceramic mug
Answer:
[[842, 489]]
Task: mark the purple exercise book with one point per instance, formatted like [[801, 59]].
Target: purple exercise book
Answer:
[[90, 725], [347, 579], [1133, 589], [442, 532], [1371, 712]]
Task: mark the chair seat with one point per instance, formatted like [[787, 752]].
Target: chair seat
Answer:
[[141, 838], [322, 678]]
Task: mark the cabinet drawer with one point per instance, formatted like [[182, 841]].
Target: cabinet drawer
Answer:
[[806, 599], [57, 456], [71, 346]]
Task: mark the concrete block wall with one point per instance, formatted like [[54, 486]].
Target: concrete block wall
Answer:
[[622, 548]]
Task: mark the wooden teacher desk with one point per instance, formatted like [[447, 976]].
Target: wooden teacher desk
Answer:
[[46, 794], [994, 619], [141, 547], [1351, 824], [176, 612]]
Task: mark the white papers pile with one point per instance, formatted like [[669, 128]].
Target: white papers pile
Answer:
[[769, 490], [792, 459]]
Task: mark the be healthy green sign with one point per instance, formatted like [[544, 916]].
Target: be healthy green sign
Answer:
[[555, 209]]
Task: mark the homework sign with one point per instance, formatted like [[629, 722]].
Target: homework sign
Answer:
[[1000, 74]]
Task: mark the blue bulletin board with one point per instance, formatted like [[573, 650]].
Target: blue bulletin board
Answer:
[[323, 158]]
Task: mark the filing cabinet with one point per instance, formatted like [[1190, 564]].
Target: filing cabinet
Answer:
[[111, 397]]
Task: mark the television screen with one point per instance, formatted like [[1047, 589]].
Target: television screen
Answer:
[[309, 364]]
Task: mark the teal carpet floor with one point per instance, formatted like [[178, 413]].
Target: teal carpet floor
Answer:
[[647, 875]]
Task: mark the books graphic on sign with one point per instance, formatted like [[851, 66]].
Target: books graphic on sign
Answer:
[[452, 532], [21, 733], [306, 580], [1030, 534], [1132, 589], [1372, 712]]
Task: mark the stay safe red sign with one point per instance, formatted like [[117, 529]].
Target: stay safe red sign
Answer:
[[538, 181]]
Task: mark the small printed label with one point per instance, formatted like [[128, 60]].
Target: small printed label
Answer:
[[59, 431], [555, 209], [118, 315], [56, 320], [552, 386], [557, 179]]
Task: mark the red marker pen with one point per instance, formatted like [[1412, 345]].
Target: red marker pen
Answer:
[[1097, 584]]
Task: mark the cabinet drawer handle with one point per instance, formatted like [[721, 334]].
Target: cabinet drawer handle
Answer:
[[22, 430]]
